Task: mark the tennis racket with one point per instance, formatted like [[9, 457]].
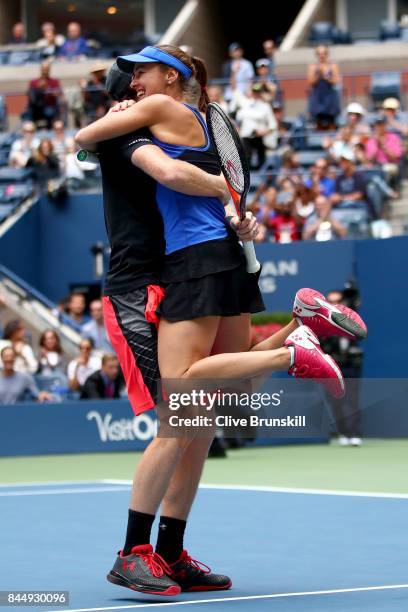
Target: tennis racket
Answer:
[[234, 166]]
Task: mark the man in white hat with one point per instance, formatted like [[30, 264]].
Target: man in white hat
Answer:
[[355, 114], [96, 98], [390, 109]]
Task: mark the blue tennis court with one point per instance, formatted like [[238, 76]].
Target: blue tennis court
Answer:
[[286, 550]]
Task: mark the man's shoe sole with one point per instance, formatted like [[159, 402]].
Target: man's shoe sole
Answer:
[[208, 588], [115, 578]]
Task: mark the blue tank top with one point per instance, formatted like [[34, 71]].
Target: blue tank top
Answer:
[[190, 220]]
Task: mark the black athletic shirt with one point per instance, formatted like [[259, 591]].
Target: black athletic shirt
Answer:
[[133, 222]]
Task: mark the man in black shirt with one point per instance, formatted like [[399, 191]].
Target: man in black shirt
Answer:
[[105, 383], [130, 166]]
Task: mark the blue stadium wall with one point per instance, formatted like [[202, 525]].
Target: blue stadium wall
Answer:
[[49, 248]]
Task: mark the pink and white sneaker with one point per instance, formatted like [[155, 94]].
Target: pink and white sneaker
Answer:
[[312, 309], [309, 361]]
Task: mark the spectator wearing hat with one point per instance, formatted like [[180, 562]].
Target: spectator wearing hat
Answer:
[[350, 186], [269, 87], [44, 97], [51, 42], [284, 227], [355, 114], [324, 223], [390, 109], [15, 386], [385, 149], [238, 70], [96, 98], [269, 53], [256, 121], [323, 76], [75, 45], [23, 148]]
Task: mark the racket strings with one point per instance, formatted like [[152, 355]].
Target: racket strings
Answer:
[[228, 152]]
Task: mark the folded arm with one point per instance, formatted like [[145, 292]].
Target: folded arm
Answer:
[[179, 175]]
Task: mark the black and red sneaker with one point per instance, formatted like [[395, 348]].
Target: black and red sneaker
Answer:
[[193, 575], [145, 571]]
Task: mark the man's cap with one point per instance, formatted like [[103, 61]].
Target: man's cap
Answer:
[[356, 107], [150, 55], [262, 62], [98, 67], [234, 46], [391, 103], [118, 83], [379, 119]]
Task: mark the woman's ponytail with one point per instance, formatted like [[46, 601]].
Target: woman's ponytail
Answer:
[[201, 76]]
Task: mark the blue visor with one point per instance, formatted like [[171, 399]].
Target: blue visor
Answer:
[[152, 54]]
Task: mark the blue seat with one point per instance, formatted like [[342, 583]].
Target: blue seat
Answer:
[[321, 33], [385, 85], [19, 58], [5, 210], [308, 158], [15, 175], [389, 31]]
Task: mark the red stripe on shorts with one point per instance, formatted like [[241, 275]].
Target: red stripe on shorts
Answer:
[[138, 393]]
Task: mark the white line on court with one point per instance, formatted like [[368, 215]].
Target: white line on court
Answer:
[[123, 485], [239, 487], [243, 598], [62, 491]]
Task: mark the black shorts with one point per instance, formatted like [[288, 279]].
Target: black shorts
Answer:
[[227, 293], [131, 323]]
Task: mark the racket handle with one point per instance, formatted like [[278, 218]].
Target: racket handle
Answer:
[[253, 264], [87, 156]]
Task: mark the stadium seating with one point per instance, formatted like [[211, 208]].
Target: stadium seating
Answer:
[[384, 85], [389, 31]]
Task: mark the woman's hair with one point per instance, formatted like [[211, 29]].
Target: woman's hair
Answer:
[[194, 88], [39, 154], [58, 348], [11, 327]]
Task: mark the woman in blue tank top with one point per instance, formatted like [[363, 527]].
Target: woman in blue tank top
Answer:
[[209, 296]]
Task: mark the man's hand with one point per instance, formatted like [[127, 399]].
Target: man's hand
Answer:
[[44, 396], [121, 106], [247, 229]]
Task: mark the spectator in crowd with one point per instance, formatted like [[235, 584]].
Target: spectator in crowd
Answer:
[[72, 168], [355, 114], [50, 42], [75, 45], [263, 202], [44, 162], [60, 141], [83, 366], [18, 34], [76, 311], [269, 87], [377, 188], [256, 121], [51, 359], [385, 149], [390, 109], [344, 140], [349, 188], [291, 169], [215, 95], [324, 223], [283, 227], [283, 125], [15, 336], [269, 53], [95, 328], [105, 383], [305, 203], [96, 98], [15, 386], [319, 181], [44, 97], [324, 104], [349, 355], [238, 70], [23, 148]]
